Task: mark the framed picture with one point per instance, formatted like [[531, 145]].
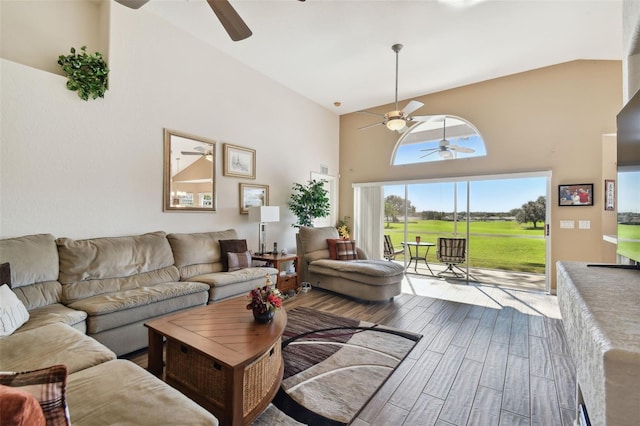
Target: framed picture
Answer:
[[253, 195], [239, 161], [609, 194], [575, 194]]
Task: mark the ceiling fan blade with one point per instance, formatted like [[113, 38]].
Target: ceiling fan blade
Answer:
[[370, 125], [132, 4], [230, 20], [412, 106], [371, 113], [425, 118], [426, 155], [191, 153], [461, 149]]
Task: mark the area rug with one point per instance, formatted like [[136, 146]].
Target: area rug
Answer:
[[334, 366]]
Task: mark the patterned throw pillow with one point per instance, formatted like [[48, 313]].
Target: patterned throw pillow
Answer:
[[230, 246], [333, 254], [346, 250], [239, 260], [13, 313], [48, 386]]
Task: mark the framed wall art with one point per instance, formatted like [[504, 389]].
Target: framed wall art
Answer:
[[609, 194], [575, 194], [239, 161], [253, 195]]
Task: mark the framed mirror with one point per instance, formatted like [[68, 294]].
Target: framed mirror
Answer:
[[189, 172]]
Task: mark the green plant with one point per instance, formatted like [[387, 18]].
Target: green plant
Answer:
[[343, 227], [308, 202], [86, 74]]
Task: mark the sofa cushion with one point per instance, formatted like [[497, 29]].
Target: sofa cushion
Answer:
[[20, 408], [52, 314], [119, 392], [103, 265], [230, 246], [239, 261], [48, 386], [199, 253], [33, 258], [52, 344], [107, 311], [13, 313], [370, 271]]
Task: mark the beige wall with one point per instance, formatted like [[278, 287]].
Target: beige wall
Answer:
[[85, 169], [552, 118]]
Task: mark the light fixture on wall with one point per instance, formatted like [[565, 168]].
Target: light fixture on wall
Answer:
[[262, 215]]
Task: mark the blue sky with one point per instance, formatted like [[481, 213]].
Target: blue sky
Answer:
[[504, 194]]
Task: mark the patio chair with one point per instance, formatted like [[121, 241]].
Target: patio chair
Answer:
[[452, 252], [390, 252]]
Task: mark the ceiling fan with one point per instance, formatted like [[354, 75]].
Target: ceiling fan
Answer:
[[198, 150], [445, 148], [397, 119], [229, 18]]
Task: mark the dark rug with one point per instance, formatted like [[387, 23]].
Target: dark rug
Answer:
[[334, 366]]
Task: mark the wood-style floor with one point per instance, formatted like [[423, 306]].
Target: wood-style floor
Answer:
[[489, 356]]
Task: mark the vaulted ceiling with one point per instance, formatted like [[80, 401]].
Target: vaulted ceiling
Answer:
[[340, 51]]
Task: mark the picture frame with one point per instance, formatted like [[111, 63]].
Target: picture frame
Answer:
[[609, 194], [575, 194], [238, 161], [252, 195]]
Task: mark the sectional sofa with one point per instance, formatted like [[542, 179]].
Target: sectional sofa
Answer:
[[87, 302]]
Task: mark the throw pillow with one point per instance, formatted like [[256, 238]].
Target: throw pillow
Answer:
[[13, 313], [230, 246], [331, 242], [239, 260], [346, 250], [48, 386], [20, 408], [5, 274]]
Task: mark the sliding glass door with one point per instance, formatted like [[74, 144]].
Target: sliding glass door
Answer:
[[502, 219]]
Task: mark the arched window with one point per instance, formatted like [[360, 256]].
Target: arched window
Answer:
[[441, 137]]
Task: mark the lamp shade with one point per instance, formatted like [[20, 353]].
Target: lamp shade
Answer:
[[264, 214]]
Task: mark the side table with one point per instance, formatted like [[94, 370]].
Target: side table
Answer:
[[285, 281]]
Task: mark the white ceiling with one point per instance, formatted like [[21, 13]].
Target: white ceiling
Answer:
[[330, 50]]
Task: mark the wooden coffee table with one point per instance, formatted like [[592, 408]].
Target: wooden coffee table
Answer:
[[220, 357]]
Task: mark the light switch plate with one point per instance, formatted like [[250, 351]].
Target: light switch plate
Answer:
[[567, 224], [584, 224]]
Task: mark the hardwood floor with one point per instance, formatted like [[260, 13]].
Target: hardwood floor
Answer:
[[488, 356]]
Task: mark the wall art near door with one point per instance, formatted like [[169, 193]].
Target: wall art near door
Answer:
[[575, 194], [252, 196], [609, 194], [239, 161]]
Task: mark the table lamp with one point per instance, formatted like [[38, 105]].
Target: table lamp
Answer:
[[262, 215]]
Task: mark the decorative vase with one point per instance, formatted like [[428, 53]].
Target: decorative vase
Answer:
[[263, 317]]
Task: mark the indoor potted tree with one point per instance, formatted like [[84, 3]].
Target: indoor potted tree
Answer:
[[308, 202]]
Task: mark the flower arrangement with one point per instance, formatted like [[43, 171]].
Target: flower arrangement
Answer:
[[343, 227], [264, 299]]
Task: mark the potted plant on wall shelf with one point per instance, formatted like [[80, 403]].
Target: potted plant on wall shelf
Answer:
[[308, 202], [86, 74]]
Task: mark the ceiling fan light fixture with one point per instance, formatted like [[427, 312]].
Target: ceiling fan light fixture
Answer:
[[445, 154], [396, 124]]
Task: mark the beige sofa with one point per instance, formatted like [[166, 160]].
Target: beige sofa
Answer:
[[362, 278], [109, 287], [100, 389]]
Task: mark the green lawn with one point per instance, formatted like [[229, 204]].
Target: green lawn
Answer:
[[491, 244], [628, 248]]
